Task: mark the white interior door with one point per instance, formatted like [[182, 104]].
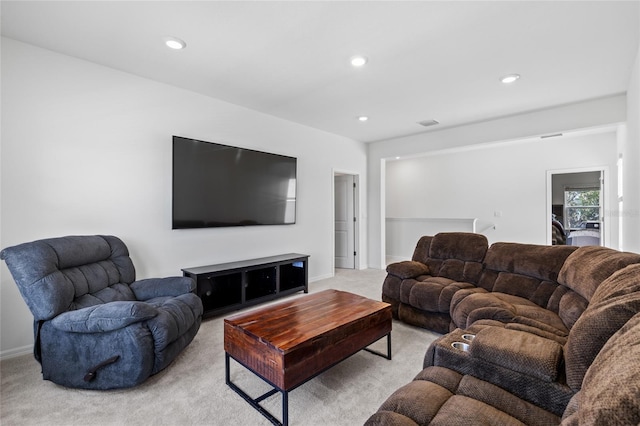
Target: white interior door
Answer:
[[603, 225], [345, 253]]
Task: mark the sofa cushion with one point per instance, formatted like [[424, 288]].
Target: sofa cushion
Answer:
[[60, 270], [504, 308], [421, 252], [463, 246], [536, 261], [582, 273], [419, 400], [570, 306], [614, 303], [439, 396], [622, 282], [551, 335], [611, 387], [175, 316], [457, 255], [391, 288], [431, 294], [435, 321], [390, 418], [115, 293], [505, 406], [589, 266], [160, 287], [526, 270], [462, 410], [451, 268], [104, 317]]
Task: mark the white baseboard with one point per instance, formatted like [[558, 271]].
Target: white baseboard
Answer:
[[392, 259], [320, 277], [12, 353]]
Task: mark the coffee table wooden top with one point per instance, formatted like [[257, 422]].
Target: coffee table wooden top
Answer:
[[290, 342]]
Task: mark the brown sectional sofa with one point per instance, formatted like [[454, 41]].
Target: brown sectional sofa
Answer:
[[420, 290], [552, 334]]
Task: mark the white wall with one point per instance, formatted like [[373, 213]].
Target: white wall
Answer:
[[583, 115], [630, 150], [87, 150], [402, 233], [508, 179]]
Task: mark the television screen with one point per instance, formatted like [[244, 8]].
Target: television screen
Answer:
[[216, 185]]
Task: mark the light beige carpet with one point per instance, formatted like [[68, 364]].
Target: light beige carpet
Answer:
[[192, 391]]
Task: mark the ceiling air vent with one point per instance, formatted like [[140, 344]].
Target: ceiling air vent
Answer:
[[427, 123], [555, 135]]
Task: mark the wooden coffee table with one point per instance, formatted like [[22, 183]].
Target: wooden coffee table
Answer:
[[290, 343]]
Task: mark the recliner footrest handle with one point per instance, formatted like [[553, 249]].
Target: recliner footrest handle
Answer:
[[91, 374]]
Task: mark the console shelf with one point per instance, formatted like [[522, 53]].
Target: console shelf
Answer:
[[227, 287]]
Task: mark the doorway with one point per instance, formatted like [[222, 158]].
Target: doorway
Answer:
[[345, 220], [577, 199]]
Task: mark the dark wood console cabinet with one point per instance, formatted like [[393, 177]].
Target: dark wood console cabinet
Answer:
[[231, 286]]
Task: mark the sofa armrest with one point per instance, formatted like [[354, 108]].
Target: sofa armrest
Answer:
[[518, 351], [407, 269], [459, 319], [106, 317], [464, 292], [162, 287]]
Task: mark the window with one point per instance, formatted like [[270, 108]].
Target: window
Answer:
[[581, 205]]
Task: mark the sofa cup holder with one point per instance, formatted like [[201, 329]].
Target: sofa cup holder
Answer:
[[468, 337], [461, 346]]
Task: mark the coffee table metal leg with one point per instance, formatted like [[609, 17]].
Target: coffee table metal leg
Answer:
[[285, 408], [388, 354], [255, 402]]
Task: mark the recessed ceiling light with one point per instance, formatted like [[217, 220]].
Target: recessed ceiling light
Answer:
[[507, 79], [363, 118], [358, 61], [427, 123], [174, 43]]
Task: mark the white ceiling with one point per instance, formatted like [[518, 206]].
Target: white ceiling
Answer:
[[427, 59]]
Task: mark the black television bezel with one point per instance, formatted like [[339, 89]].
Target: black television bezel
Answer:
[[228, 225]]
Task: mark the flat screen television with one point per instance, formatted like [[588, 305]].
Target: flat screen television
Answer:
[[217, 185]]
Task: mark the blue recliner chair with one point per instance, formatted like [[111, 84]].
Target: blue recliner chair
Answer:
[[95, 326]]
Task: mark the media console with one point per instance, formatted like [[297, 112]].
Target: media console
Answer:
[[227, 287]]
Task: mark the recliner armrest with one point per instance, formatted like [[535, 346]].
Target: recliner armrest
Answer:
[[106, 317], [518, 351], [162, 287], [407, 269]]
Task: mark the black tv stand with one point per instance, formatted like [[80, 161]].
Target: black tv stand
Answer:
[[227, 287]]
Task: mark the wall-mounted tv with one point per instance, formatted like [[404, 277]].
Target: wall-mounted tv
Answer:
[[217, 185]]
